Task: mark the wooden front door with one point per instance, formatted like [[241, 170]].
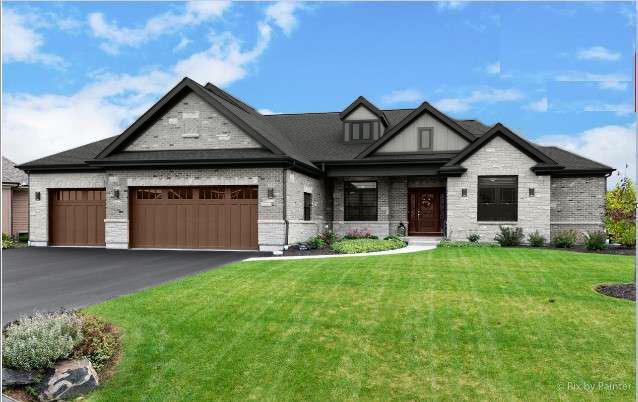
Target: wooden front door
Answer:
[[424, 211]]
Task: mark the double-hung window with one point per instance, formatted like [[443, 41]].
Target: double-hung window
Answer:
[[497, 198], [360, 201]]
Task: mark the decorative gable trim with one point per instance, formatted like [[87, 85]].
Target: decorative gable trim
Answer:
[[361, 101], [159, 108], [545, 164], [424, 108]]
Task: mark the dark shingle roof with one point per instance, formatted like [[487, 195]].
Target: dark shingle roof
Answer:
[[191, 154], [11, 174], [75, 156], [572, 161]]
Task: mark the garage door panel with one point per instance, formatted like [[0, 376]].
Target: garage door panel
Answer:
[[76, 217], [192, 217]]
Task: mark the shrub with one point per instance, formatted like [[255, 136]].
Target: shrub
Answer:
[[596, 240], [464, 244], [328, 237], [536, 239], [99, 341], [316, 242], [7, 241], [392, 237], [474, 237], [23, 237], [352, 246], [37, 342], [565, 239], [620, 213], [359, 234], [509, 236]]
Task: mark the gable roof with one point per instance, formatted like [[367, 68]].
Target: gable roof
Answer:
[[11, 174], [424, 108], [499, 130], [361, 101]]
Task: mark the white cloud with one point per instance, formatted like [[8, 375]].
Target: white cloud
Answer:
[[402, 96], [484, 96], [450, 4], [540, 105], [282, 14], [602, 145], [598, 53], [604, 81], [183, 43], [620, 109], [114, 36], [22, 43], [266, 111], [493, 68]]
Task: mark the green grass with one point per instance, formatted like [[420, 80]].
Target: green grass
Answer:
[[447, 324]]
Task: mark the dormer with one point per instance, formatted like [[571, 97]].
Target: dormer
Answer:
[[362, 121]]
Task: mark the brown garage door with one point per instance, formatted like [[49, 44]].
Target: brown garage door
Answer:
[[76, 217], [194, 217]]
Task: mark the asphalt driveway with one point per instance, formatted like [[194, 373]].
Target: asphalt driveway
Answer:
[[50, 278]]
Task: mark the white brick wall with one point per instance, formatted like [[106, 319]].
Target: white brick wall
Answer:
[[192, 124], [498, 157], [296, 185], [39, 210]]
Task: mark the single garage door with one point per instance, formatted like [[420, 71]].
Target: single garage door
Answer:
[[223, 217], [76, 217]]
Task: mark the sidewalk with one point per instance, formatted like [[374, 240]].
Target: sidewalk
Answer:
[[415, 248]]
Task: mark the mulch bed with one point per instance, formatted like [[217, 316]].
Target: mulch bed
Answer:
[[618, 290], [294, 251]]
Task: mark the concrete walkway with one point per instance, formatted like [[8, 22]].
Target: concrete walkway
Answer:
[[413, 246]]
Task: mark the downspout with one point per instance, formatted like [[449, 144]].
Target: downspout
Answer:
[[284, 207]]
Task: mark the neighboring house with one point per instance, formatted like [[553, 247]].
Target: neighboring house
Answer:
[[202, 169], [15, 199]]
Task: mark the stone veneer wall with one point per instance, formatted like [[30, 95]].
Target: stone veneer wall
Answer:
[[39, 210], [498, 157], [192, 124], [577, 203], [296, 185]]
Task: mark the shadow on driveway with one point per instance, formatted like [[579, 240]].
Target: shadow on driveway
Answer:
[[50, 278]]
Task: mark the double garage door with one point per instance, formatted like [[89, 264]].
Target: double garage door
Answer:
[[221, 217]]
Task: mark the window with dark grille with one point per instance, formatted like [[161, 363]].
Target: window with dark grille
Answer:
[[212, 193], [307, 206], [360, 201], [497, 198], [363, 130]]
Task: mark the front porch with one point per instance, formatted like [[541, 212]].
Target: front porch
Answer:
[[401, 205]]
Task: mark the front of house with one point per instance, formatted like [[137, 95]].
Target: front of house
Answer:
[[203, 170]]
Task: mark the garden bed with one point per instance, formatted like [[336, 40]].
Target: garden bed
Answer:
[[618, 290]]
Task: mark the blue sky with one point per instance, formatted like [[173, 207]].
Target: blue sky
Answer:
[[557, 73]]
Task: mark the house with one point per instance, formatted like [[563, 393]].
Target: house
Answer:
[[15, 199], [202, 169]]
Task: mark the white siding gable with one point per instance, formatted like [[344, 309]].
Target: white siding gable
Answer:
[[407, 140], [361, 113], [192, 124]]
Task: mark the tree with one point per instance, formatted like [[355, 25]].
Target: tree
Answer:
[[620, 213]]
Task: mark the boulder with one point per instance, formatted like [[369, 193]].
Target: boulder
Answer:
[[70, 379], [16, 377]]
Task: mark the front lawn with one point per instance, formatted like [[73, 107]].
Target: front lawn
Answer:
[[454, 324]]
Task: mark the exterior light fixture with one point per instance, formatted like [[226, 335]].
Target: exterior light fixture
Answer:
[[116, 194], [463, 192], [532, 192], [37, 196], [271, 192]]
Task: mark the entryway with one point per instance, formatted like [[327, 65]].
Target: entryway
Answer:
[[424, 211]]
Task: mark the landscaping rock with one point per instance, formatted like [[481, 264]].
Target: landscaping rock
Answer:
[[16, 377], [70, 379]]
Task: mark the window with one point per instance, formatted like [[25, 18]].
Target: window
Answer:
[[497, 198], [212, 193], [363, 130], [243, 193], [307, 206], [360, 201], [426, 136], [180, 194], [149, 194]]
